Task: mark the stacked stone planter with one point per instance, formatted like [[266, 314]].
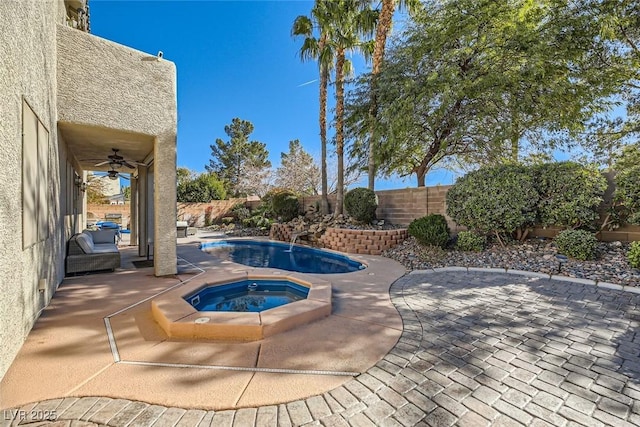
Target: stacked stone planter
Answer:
[[368, 242], [280, 232]]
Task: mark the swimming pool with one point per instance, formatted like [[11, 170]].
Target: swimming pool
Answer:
[[248, 296], [270, 254]]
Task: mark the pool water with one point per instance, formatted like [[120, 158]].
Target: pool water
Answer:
[[278, 255], [247, 295]]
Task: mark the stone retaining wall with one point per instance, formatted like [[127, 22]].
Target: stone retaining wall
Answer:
[[280, 232], [369, 242]]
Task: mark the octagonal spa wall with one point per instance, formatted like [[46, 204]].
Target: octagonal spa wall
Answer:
[[179, 319]]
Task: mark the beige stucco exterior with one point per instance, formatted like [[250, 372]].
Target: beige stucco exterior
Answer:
[[87, 93]]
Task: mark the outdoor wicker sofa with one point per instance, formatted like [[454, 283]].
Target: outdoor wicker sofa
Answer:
[[93, 251]]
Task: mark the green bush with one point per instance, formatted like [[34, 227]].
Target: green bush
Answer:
[[257, 221], [470, 241], [361, 204], [570, 194], [627, 194], [494, 200], [202, 189], [241, 212], [578, 244], [285, 205], [634, 254], [430, 230]]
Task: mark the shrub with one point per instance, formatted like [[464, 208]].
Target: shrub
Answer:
[[241, 212], [285, 205], [634, 254], [570, 194], [430, 230], [627, 194], [494, 200], [361, 204], [578, 244], [470, 241], [257, 221]]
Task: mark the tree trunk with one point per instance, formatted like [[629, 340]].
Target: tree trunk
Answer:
[[324, 79], [515, 136], [340, 58], [382, 31]]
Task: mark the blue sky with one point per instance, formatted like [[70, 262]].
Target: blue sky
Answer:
[[233, 59]]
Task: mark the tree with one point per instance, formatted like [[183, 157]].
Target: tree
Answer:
[[315, 47], [616, 25], [298, 171], [383, 28], [184, 175], [126, 191], [95, 190], [199, 188], [350, 20], [477, 80], [234, 159], [255, 180]]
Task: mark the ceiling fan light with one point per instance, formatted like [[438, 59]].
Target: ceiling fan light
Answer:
[[115, 165], [113, 177]]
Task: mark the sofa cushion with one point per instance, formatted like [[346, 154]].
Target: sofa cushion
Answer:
[[102, 236], [85, 242], [105, 248]]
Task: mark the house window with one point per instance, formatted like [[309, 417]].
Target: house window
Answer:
[[35, 174]]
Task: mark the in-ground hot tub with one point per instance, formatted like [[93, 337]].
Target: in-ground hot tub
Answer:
[[201, 310], [248, 295]]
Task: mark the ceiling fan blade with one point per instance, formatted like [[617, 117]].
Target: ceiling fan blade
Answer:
[[102, 163], [127, 164], [125, 177]]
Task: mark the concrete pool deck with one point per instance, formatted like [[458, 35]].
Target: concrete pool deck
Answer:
[[98, 338], [479, 347]]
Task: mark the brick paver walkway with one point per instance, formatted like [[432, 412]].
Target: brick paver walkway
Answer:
[[478, 348]]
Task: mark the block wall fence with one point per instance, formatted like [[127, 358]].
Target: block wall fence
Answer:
[[395, 206]]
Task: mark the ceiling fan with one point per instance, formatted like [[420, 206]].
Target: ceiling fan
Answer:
[[114, 174], [116, 161]]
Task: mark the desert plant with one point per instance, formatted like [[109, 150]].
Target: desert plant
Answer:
[[430, 230], [240, 212], [569, 194], [634, 254], [361, 204], [497, 200], [578, 244], [470, 241], [285, 205]]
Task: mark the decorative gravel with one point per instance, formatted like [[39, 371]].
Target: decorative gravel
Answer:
[[535, 255]]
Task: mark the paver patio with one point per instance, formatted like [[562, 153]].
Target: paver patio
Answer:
[[478, 348]]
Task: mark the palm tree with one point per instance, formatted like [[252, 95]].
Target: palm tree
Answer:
[[350, 20], [318, 49], [383, 28]]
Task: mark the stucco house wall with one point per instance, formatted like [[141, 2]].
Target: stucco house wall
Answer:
[[69, 78], [28, 71]]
